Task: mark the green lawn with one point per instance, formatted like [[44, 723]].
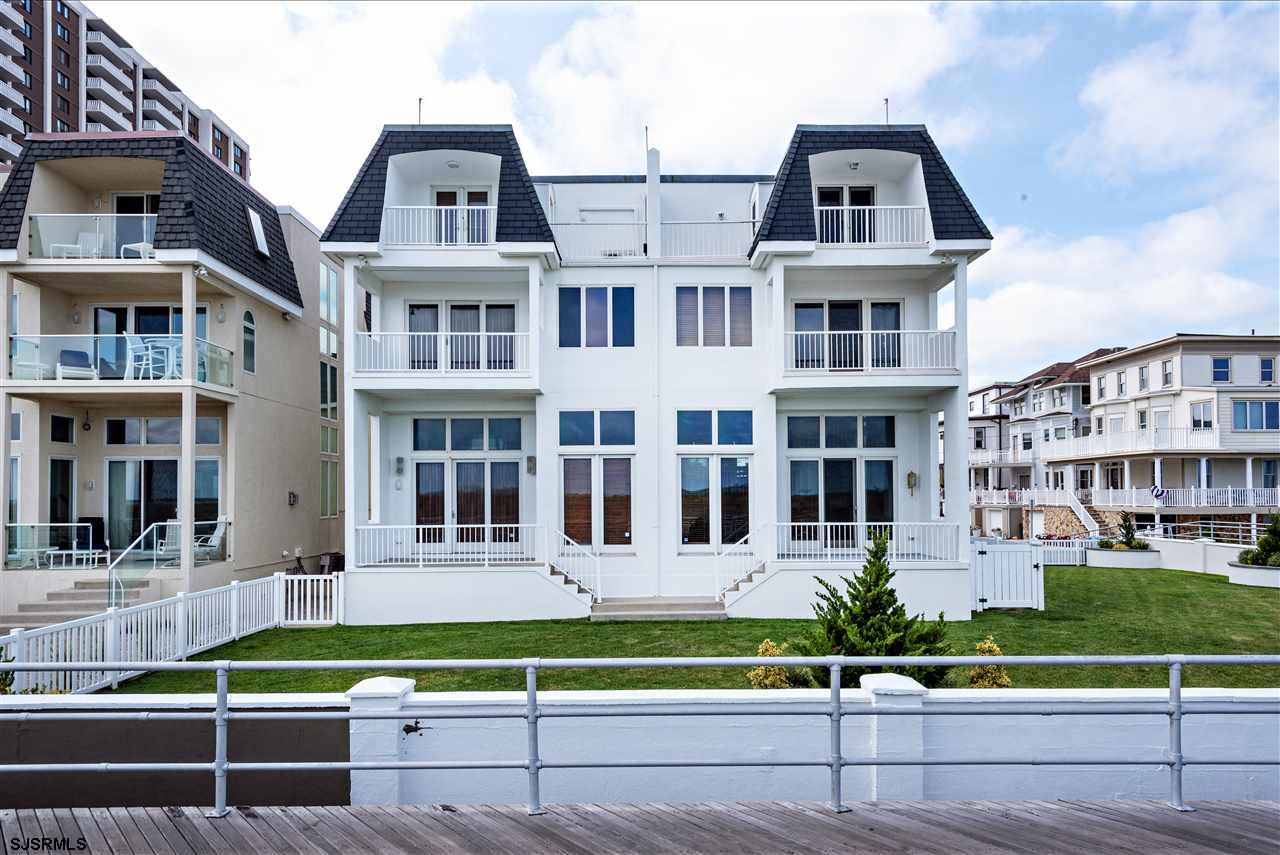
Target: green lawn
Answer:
[[1090, 611]]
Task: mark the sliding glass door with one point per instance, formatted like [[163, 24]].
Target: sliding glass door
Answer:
[[143, 492], [62, 485]]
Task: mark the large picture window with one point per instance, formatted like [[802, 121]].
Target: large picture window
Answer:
[[1255, 415], [715, 499]]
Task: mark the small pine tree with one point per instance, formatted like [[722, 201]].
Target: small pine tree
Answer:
[[989, 676], [868, 620], [1127, 530]]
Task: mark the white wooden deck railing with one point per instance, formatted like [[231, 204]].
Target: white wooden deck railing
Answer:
[[871, 351], [879, 225], [707, 238], [578, 563], [737, 561], [437, 225], [600, 241], [1165, 439], [433, 545], [1189, 497], [168, 630], [848, 542], [468, 353]]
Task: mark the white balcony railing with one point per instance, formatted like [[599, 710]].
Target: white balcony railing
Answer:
[[99, 42], [103, 90], [9, 42], [155, 89], [10, 17], [848, 542], [103, 67], [436, 225], [434, 545], [880, 351], [129, 237], [9, 96], [1161, 439], [155, 110], [106, 114], [11, 123], [1039, 496], [10, 147], [707, 238], [1189, 497], [597, 241], [881, 225], [479, 353]]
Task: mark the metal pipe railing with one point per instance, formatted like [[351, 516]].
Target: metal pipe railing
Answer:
[[834, 709]]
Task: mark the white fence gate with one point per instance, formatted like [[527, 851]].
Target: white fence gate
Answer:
[[1006, 575]]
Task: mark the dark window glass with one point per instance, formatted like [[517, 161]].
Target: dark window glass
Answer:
[[617, 501], [428, 434], [504, 499], [617, 427], [208, 430], [803, 431], [467, 435], [577, 427], [15, 426], [167, 431], [570, 317], [804, 493], [878, 431], [734, 427], [577, 499], [597, 317], [842, 431], [735, 510], [693, 427], [124, 431], [624, 317], [695, 500], [429, 508], [879, 477], [504, 434], [837, 493]]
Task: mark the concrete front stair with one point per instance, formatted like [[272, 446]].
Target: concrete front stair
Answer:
[[658, 608], [83, 599]]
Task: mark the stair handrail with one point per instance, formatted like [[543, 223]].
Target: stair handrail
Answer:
[[579, 553], [743, 547], [115, 586], [1082, 512]]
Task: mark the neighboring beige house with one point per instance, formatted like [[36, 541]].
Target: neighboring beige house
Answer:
[[160, 454]]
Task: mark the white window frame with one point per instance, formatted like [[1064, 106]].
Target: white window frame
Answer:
[[1212, 370], [1144, 378], [1208, 407], [1266, 364], [1102, 386], [727, 288], [1166, 373], [1122, 384], [597, 455], [248, 322], [715, 489]]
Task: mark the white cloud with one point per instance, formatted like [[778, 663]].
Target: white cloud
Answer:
[[309, 85], [1041, 299]]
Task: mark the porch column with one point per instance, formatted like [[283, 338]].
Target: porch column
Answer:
[[188, 323], [6, 409], [187, 483], [229, 480], [350, 311], [533, 340], [993, 478], [6, 298], [956, 437], [1128, 479], [1204, 472], [1248, 476], [1158, 471]]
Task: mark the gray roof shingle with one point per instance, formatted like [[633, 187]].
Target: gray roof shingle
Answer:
[[789, 214], [202, 205], [520, 215]]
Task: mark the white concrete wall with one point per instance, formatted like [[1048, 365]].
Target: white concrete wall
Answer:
[[1196, 556], [790, 592], [764, 737], [457, 594]]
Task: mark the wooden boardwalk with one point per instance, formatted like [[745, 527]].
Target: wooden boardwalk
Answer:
[[738, 828]]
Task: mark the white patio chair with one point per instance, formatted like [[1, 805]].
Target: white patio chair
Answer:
[[168, 551], [208, 547]]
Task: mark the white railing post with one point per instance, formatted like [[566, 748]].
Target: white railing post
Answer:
[[111, 643], [279, 598], [235, 609], [21, 679], [180, 643], [340, 598]]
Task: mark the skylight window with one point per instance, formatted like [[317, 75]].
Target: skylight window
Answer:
[[259, 236]]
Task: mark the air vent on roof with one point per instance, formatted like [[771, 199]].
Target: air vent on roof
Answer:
[[259, 236]]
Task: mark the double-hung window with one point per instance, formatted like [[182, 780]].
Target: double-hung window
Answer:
[[715, 476], [597, 316], [1202, 415], [1102, 386], [1121, 382], [1166, 373], [1267, 369], [713, 316], [1255, 415], [1222, 369], [597, 450], [979, 438], [1143, 378]]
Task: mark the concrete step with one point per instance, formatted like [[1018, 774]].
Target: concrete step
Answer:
[[101, 584], [78, 595], [31, 620], [88, 607], [658, 609]]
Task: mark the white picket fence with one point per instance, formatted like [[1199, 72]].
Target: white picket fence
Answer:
[[1062, 551], [169, 629]]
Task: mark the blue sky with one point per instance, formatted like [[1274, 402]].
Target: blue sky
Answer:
[[1124, 154]]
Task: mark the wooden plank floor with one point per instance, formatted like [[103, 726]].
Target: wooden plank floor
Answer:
[[741, 828]]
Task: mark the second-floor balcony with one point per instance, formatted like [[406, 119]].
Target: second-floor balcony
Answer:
[[879, 225], [438, 226], [1001, 456], [102, 67], [124, 237], [466, 354], [1118, 442], [870, 351], [132, 358]]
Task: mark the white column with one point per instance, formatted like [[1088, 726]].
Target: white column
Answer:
[[186, 486], [6, 409], [188, 324], [377, 739], [1128, 477], [350, 459], [1158, 471], [1204, 472], [893, 737], [1097, 476], [955, 439], [535, 320], [6, 298], [1248, 475], [653, 202], [993, 477]]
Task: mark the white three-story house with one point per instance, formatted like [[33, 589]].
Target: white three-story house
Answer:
[[606, 392]]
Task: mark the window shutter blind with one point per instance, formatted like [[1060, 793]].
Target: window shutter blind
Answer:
[[713, 317], [687, 317], [577, 499], [617, 501], [740, 317]]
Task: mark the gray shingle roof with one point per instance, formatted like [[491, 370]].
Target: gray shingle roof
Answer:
[[520, 215], [789, 215], [202, 205]]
